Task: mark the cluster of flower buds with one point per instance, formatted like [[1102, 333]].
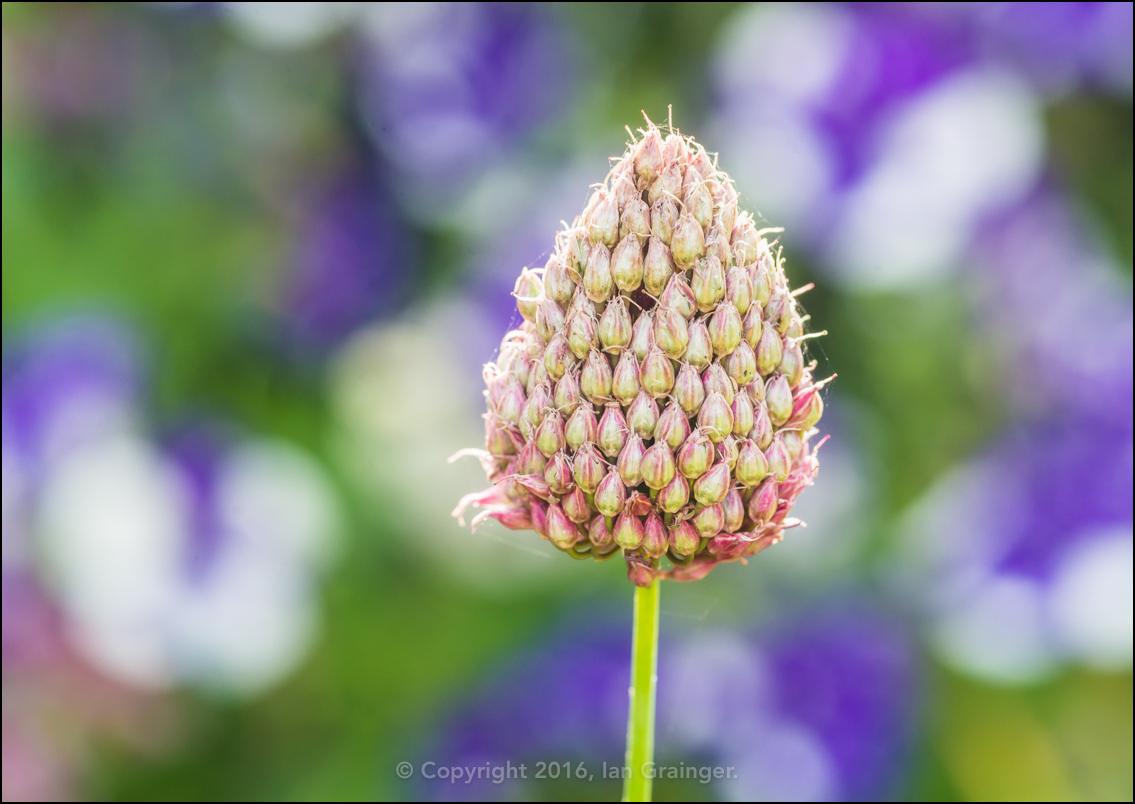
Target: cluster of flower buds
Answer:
[[655, 402]]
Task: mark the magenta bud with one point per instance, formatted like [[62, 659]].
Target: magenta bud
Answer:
[[739, 289], [674, 495], [741, 364], [528, 290], [549, 319], [630, 462], [699, 350], [603, 226], [762, 426], [626, 264], [566, 397], [658, 465], [642, 336], [597, 280], [778, 399], [597, 532], [558, 474], [576, 507], [611, 494], [715, 417], [531, 461], [654, 540], [792, 363], [658, 268], [550, 435], [744, 242], [672, 427], [752, 467], [684, 538], [557, 283], [629, 531], [752, 325], [709, 521], [743, 413], [657, 374], [642, 415], [724, 329], [734, 509], [648, 159], [625, 384], [589, 468], [712, 487], [678, 296], [671, 334], [663, 219], [595, 379], [581, 427], [615, 325], [695, 456], [613, 431], [715, 379], [779, 462], [688, 390], [562, 532], [762, 505], [708, 283], [640, 573], [582, 335], [635, 220], [688, 241], [794, 443]]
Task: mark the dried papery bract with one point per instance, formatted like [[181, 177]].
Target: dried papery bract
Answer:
[[657, 398]]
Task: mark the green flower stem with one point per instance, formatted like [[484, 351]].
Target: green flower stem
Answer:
[[644, 679]]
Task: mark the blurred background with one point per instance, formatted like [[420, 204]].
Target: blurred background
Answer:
[[255, 254]]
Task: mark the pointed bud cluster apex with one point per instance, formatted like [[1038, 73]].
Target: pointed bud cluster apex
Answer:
[[657, 399]]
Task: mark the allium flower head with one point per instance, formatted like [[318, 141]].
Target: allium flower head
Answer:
[[655, 401]]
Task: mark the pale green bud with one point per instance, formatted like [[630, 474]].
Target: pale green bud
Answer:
[[531, 461], [734, 510], [550, 435], [581, 427], [724, 329], [779, 463], [762, 505], [762, 426], [589, 468], [615, 325], [597, 532], [595, 379], [688, 389], [709, 521], [793, 442], [658, 268], [549, 319], [671, 334], [597, 280], [674, 495], [528, 291], [708, 283], [699, 351], [679, 296], [711, 487], [626, 264], [611, 494], [762, 284], [688, 241], [566, 397], [716, 380], [743, 413], [582, 335], [558, 473], [668, 183], [557, 284], [629, 531], [741, 364], [648, 157], [744, 242], [658, 465], [778, 399], [752, 467], [672, 427], [699, 204], [630, 461], [695, 456], [727, 451], [625, 386], [739, 289], [642, 336], [613, 431], [814, 414], [603, 226], [576, 507], [642, 415], [656, 374], [562, 532], [684, 538], [635, 219], [558, 357], [663, 219], [715, 417], [752, 326], [769, 351], [538, 404], [792, 363]]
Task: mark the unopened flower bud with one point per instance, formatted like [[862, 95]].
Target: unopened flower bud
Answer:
[[582, 335], [695, 456], [626, 264], [708, 283], [679, 296], [528, 291], [769, 351], [558, 357], [597, 532], [751, 326], [654, 540], [522, 365], [550, 435], [792, 363], [709, 521], [629, 531], [611, 494], [667, 184], [724, 329], [531, 461], [557, 284], [714, 378], [562, 532], [751, 466], [715, 417], [744, 242], [648, 158], [613, 431], [576, 507], [711, 487], [778, 399], [762, 426], [625, 385], [684, 538], [642, 415], [743, 413], [739, 289], [728, 212], [589, 468], [688, 390], [597, 280], [558, 474], [497, 440], [734, 509], [642, 336], [779, 463], [741, 364], [699, 351], [674, 495], [615, 325], [794, 443], [717, 246], [630, 462], [640, 572], [511, 401], [603, 227], [776, 312], [727, 451], [549, 319], [581, 427], [595, 379], [814, 414], [656, 374], [673, 428], [663, 219], [756, 389], [566, 397], [700, 205], [687, 243], [670, 332], [762, 505], [658, 465], [635, 219], [658, 268], [638, 504]]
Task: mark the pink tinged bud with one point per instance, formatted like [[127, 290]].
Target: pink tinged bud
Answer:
[[549, 319], [814, 414], [575, 256], [566, 398], [743, 414], [654, 540], [648, 159], [626, 264], [557, 283], [762, 284], [678, 296], [613, 431], [751, 326], [623, 186], [538, 510], [715, 417], [670, 332], [562, 532], [769, 351], [687, 243], [751, 466], [603, 226], [511, 402], [640, 573], [522, 366], [690, 179], [756, 390], [576, 507], [550, 435], [558, 357], [775, 309], [727, 451], [597, 532], [638, 504], [538, 376], [794, 443], [688, 390], [762, 505], [674, 495], [762, 426], [534, 484], [615, 325], [673, 428], [734, 510], [528, 290], [712, 487], [717, 246], [497, 440], [630, 462], [589, 468], [582, 335], [728, 212], [699, 351], [663, 219], [657, 374], [531, 461], [709, 521], [792, 363], [695, 456], [778, 399], [714, 378], [779, 462], [708, 283], [741, 364], [625, 385], [739, 289], [558, 474], [668, 183], [744, 243], [642, 415], [629, 531], [597, 280], [658, 466], [635, 219], [595, 379], [642, 336], [611, 494], [658, 268], [684, 538], [700, 204], [538, 404], [674, 148], [724, 329]]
